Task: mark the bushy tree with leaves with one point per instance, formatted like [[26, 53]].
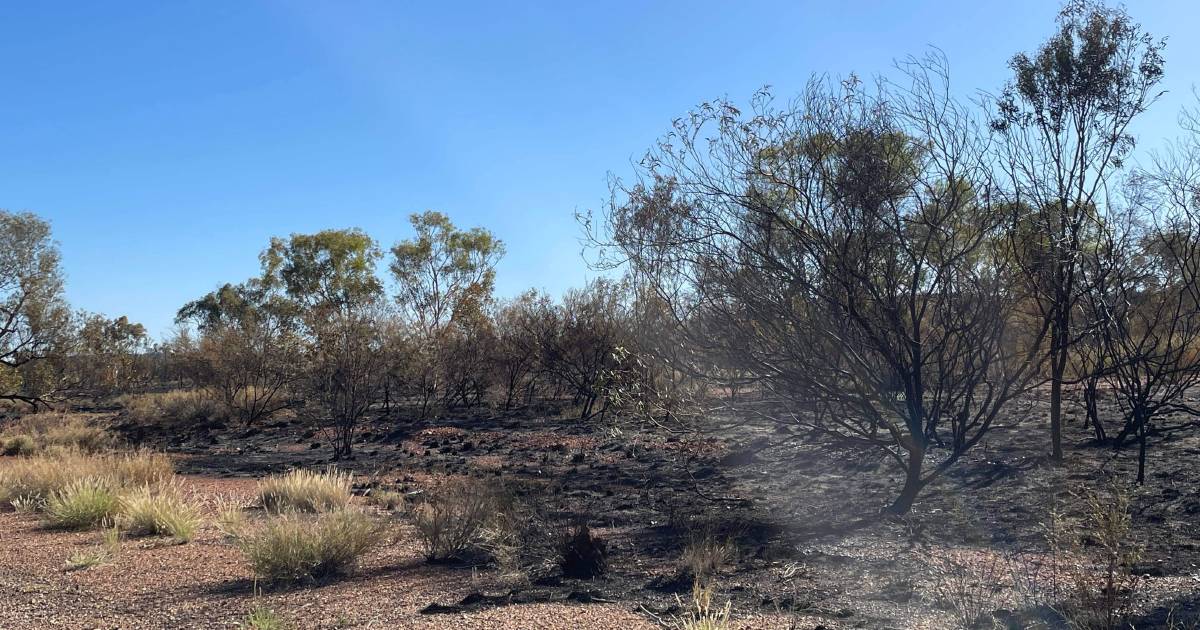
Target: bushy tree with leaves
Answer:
[[444, 279], [35, 321], [1063, 130]]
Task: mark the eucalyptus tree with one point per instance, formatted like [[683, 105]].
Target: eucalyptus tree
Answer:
[[324, 273], [249, 350], [108, 351], [310, 324], [35, 321], [330, 280], [444, 276], [1062, 125]]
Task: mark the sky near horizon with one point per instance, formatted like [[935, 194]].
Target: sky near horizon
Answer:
[[167, 142]]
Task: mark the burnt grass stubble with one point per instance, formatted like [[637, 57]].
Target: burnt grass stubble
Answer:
[[806, 520]]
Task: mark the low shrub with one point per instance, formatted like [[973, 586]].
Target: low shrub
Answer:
[[968, 584], [1099, 553], [145, 512], [582, 555], [296, 547], [452, 518], [83, 504], [174, 407], [386, 499], [19, 445], [305, 491]]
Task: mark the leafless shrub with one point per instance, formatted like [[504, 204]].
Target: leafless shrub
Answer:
[[1089, 576], [969, 584], [452, 518]]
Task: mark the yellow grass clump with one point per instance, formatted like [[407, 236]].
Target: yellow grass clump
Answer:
[[305, 491]]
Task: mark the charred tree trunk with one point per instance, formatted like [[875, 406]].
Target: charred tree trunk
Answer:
[[912, 481], [1058, 368]]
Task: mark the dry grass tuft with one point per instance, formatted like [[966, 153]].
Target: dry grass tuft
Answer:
[[82, 504], [108, 549], [31, 483], [305, 491], [175, 406], [702, 614], [294, 547], [704, 557], [231, 516], [48, 432], [159, 512]]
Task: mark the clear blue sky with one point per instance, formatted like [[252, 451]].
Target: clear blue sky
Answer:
[[168, 141]]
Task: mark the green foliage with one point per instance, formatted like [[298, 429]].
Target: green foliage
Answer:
[[107, 352], [1099, 65], [229, 305], [37, 318], [329, 269], [444, 273]]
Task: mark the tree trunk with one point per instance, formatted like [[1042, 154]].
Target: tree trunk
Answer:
[[1090, 395], [912, 482], [1058, 366], [1141, 476]]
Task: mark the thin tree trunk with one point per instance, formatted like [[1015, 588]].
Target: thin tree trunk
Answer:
[[1141, 476], [912, 482], [1058, 365]]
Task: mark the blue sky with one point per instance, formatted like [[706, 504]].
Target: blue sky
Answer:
[[168, 141]]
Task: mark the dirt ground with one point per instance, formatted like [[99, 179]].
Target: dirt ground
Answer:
[[813, 551]]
